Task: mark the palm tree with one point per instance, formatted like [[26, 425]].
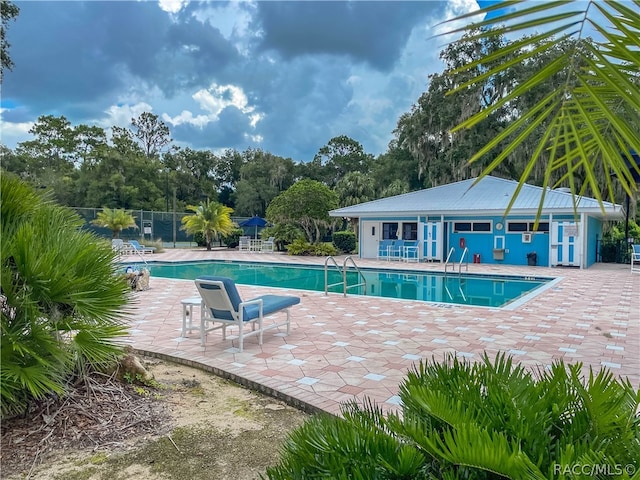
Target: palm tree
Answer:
[[115, 220], [211, 219], [589, 124], [62, 298]]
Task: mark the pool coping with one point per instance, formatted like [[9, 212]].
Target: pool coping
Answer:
[[511, 304]]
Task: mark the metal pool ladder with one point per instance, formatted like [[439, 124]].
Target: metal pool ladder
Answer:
[[465, 255], [343, 271]]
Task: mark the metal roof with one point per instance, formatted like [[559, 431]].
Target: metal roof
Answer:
[[491, 195]]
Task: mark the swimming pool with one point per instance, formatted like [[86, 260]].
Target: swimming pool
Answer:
[[466, 289]]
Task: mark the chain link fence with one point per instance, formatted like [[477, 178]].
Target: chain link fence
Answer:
[[150, 225]]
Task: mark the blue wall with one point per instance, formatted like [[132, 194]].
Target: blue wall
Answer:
[[594, 231], [515, 251]]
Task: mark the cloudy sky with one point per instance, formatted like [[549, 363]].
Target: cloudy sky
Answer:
[[282, 76]]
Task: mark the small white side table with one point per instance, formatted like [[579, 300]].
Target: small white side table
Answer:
[[187, 311]]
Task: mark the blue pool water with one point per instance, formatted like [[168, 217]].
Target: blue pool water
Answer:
[[409, 285]]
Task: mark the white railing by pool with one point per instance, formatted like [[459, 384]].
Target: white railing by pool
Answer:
[[343, 272], [465, 254], [448, 260]]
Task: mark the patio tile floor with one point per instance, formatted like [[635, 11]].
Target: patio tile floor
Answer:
[[358, 348]]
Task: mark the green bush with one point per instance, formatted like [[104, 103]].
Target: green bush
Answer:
[[198, 237], [302, 247], [233, 239], [477, 421], [345, 241], [284, 234], [299, 247], [62, 298], [324, 250]]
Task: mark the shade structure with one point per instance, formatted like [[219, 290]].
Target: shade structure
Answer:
[[254, 222]]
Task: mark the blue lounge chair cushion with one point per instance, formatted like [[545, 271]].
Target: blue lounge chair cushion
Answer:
[[270, 303], [136, 245]]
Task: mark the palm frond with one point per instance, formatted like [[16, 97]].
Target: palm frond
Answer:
[[593, 118]]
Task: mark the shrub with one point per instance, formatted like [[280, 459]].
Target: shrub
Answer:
[[284, 234], [299, 247], [232, 240], [324, 250], [302, 247], [198, 237], [345, 241], [62, 298], [477, 420]]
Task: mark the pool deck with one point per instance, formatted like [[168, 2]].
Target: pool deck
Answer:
[[359, 347]]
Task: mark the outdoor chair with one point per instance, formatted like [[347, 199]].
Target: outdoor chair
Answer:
[[137, 248], [117, 245], [396, 250], [267, 245], [244, 243], [635, 259], [384, 249], [410, 252], [224, 308]]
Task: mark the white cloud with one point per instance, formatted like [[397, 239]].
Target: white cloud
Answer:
[[120, 115], [232, 20], [172, 6], [13, 132], [455, 8], [218, 97], [187, 117], [254, 138]]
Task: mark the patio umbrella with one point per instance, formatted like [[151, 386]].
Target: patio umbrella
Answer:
[[254, 222]]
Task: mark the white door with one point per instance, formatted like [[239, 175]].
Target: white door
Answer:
[[369, 235], [566, 247], [433, 241]]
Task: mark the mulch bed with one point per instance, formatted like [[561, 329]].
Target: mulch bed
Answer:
[[99, 412]]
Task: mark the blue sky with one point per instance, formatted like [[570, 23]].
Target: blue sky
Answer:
[[282, 76]]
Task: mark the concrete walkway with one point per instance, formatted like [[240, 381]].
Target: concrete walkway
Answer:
[[361, 347]]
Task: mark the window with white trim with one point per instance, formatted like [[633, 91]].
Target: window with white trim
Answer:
[[389, 231], [527, 227], [478, 226], [409, 230]]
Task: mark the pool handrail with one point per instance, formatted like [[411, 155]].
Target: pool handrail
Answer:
[[344, 276], [452, 250], [464, 255], [343, 272]]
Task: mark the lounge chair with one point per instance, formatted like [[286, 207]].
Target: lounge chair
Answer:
[[137, 248], [635, 259], [224, 308]]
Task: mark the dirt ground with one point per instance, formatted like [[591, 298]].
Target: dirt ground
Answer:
[[184, 424]]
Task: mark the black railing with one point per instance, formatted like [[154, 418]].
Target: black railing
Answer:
[[617, 251]]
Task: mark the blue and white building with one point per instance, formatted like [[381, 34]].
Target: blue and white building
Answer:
[[443, 221]]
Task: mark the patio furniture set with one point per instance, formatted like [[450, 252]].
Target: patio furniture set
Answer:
[[248, 244], [401, 250]]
